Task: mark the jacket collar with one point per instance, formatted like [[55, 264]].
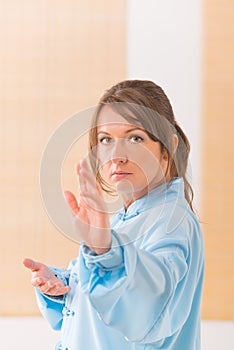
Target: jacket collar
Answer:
[[166, 192]]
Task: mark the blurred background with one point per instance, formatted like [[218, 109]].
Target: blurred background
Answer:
[[57, 58]]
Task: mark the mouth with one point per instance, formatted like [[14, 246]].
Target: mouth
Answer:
[[119, 175]]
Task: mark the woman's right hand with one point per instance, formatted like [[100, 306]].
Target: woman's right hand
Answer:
[[91, 219], [44, 279]]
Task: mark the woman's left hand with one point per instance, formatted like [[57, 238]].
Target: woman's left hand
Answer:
[[90, 215]]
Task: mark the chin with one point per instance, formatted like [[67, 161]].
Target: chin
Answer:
[[129, 189], [124, 187]]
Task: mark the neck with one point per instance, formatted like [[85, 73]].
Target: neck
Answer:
[[129, 198]]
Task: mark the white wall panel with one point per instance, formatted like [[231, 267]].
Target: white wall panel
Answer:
[[164, 45]]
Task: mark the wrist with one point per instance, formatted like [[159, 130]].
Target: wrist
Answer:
[[99, 251], [105, 243], [113, 258]]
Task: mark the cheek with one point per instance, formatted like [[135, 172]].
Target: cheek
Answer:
[[104, 156], [150, 169], [146, 159], [150, 165]]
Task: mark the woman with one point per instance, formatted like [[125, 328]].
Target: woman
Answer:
[[137, 282]]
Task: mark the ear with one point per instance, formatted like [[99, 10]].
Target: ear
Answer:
[[175, 143], [175, 146], [165, 154]]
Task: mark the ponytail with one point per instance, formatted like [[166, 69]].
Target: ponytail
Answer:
[[179, 164]]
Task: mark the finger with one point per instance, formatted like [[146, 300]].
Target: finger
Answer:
[[83, 183], [83, 188], [31, 264], [72, 202], [93, 202], [47, 287], [88, 187], [83, 164], [59, 290], [87, 175], [55, 290], [37, 281], [63, 290], [44, 285]]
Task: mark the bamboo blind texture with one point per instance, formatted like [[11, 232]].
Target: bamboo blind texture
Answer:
[[218, 159], [56, 58]]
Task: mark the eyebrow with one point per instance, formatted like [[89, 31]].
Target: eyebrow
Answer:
[[126, 132]]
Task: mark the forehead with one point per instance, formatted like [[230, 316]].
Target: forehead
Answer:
[[110, 118]]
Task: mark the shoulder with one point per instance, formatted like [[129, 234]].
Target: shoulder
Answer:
[[172, 225]]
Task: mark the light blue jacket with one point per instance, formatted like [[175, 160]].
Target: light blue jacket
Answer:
[[143, 294]]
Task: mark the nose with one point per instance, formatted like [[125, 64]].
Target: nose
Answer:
[[119, 152]]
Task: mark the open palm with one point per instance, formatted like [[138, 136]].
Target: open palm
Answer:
[[44, 279], [90, 216]]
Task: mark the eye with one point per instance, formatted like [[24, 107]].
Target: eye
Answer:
[[136, 139], [105, 140]]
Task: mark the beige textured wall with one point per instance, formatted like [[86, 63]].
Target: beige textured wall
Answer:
[[56, 58], [218, 159]]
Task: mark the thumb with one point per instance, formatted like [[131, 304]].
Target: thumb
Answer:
[[72, 202], [31, 264]]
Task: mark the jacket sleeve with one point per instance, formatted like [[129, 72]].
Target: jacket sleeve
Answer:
[[52, 307], [138, 291]]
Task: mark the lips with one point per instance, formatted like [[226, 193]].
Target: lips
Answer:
[[118, 175], [120, 172]]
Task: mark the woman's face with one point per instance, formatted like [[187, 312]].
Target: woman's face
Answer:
[[128, 158]]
